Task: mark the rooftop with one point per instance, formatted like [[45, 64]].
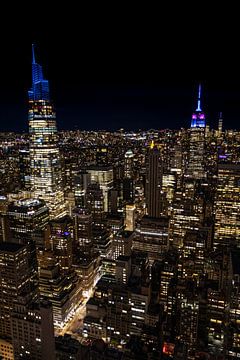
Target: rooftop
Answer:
[[123, 258], [125, 233], [28, 206], [99, 167], [10, 247]]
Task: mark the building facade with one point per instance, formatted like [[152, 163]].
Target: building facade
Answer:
[[45, 163]]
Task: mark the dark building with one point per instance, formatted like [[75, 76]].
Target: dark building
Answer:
[[24, 168], [154, 182], [60, 241]]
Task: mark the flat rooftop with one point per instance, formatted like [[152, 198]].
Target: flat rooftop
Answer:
[[10, 247]]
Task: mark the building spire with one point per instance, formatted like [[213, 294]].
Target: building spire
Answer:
[[199, 98], [152, 144], [33, 55], [198, 117], [40, 87]]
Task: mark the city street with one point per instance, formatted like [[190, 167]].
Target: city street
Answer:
[[75, 324]]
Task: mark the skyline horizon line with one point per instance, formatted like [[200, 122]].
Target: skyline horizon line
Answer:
[[132, 106]]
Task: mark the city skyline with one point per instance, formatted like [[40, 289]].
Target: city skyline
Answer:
[[122, 86], [118, 244]]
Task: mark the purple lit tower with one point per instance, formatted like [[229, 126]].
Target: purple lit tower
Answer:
[[198, 117], [196, 168]]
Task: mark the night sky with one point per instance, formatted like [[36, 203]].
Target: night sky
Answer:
[[134, 72]]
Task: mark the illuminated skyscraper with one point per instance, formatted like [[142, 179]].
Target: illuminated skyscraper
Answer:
[[123, 243], [24, 321], [189, 324], [61, 241], [128, 182], [15, 282], [128, 164], [104, 176], [83, 223], [81, 181], [220, 124], [198, 117], [28, 219], [130, 217], [197, 142], [151, 236], [95, 204], [86, 260], [227, 206], [45, 165]]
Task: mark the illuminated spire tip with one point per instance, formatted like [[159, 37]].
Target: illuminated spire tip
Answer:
[[33, 55], [199, 98], [152, 144]]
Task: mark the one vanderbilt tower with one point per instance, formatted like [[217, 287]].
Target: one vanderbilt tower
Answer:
[[46, 176]]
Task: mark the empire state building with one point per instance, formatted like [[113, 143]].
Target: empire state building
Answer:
[[196, 164], [45, 165]]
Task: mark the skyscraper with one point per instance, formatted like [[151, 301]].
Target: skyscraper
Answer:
[[45, 165], [128, 164], [83, 223], [104, 176], [128, 181], [227, 206], [15, 282], [195, 167], [154, 182], [61, 241], [25, 322], [220, 125], [28, 219]]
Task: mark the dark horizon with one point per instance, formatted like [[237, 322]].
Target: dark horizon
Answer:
[[132, 107]]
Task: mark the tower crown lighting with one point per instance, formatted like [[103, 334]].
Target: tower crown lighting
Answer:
[[40, 86], [198, 117]]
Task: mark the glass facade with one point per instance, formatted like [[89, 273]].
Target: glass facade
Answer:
[[45, 165]]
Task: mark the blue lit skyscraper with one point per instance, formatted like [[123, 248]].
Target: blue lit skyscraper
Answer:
[[40, 87], [46, 176]]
